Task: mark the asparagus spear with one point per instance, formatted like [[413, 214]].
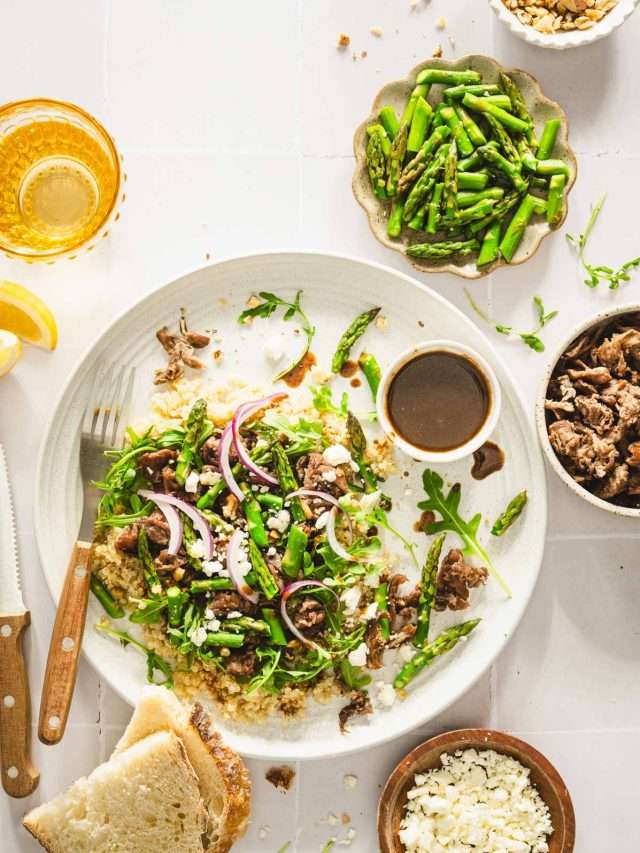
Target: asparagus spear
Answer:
[[270, 500], [296, 546], [358, 442], [479, 210], [255, 522], [389, 120], [507, 119], [472, 180], [450, 78], [176, 600], [189, 447], [420, 122], [490, 245], [148, 566], [420, 191], [417, 223], [511, 513], [351, 336], [511, 89], [555, 199], [371, 369], [428, 588], [266, 580], [495, 159], [394, 223], [457, 93], [278, 637], [443, 643], [527, 159], [287, 480], [552, 167], [420, 91], [497, 214], [463, 143], [443, 250], [451, 181], [210, 585], [226, 639], [470, 164], [396, 159], [434, 208], [381, 597], [377, 161], [466, 199], [548, 139], [517, 226], [474, 133], [503, 139], [105, 598], [414, 168]]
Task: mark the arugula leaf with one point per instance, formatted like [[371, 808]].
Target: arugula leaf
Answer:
[[304, 434], [353, 676], [600, 273], [264, 677], [450, 520], [268, 306], [154, 662], [151, 611], [323, 401], [531, 339]]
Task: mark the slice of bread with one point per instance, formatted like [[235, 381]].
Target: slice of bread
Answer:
[[144, 799], [224, 780]]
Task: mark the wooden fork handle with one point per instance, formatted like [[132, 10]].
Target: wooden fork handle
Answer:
[[19, 776], [64, 651]]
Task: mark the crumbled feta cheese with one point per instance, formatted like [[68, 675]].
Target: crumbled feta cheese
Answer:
[[386, 693], [191, 483], [350, 598], [210, 478], [280, 521], [234, 614], [336, 454], [196, 549], [208, 613], [271, 552], [406, 652], [198, 636], [358, 657], [348, 839], [371, 611], [264, 831], [480, 800], [322, 520], [156, 589], [370, 502], [211, 567], [213, 625], [329, 476], [376, 31], [273, 348], [349, 781]]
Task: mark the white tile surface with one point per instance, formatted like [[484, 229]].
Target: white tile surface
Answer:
[[235, 120]]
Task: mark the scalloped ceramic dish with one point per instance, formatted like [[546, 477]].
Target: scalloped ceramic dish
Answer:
[[566, 39], [396, 94]]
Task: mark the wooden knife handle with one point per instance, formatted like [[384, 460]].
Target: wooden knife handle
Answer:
[[64, 651], [19, 776]]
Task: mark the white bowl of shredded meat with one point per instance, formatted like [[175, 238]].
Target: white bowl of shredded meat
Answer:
[[561, 24], [588, 411]]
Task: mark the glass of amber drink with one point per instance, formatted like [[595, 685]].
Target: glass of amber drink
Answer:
[[60, 180]]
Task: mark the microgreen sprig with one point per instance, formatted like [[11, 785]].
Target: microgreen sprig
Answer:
[[531, 339]]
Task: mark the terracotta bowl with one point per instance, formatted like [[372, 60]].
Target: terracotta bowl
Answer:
[[541, 420], [396, 94], [427, 757]]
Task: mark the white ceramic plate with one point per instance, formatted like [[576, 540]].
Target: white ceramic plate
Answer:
[[335, 290]]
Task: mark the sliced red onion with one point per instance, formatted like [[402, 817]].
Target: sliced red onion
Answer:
[[336, 547], [242, 413], [225, 465], [200, 524], [287, 592], [174, 520], [235, 571]]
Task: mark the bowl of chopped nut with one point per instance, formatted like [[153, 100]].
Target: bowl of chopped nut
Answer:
[[561, 24], [588, 411]]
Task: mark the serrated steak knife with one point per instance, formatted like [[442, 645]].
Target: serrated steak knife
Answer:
[[19, 776]]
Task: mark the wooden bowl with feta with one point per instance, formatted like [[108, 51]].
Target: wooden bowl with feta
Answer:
[[480, 787]]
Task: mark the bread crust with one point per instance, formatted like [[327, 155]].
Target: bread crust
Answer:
[[235, 777]]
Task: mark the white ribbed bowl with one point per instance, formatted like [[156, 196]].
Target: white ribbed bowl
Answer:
[[572, 38]]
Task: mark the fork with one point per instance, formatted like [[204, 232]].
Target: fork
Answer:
[[102, 428]]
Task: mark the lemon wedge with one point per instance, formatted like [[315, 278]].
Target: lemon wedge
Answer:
[[10, 351], [26, 315]]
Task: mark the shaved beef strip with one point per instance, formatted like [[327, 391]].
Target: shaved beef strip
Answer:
[[456, 578], [359, 704]]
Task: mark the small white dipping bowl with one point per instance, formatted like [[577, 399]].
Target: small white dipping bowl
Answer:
[[475, 441]]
